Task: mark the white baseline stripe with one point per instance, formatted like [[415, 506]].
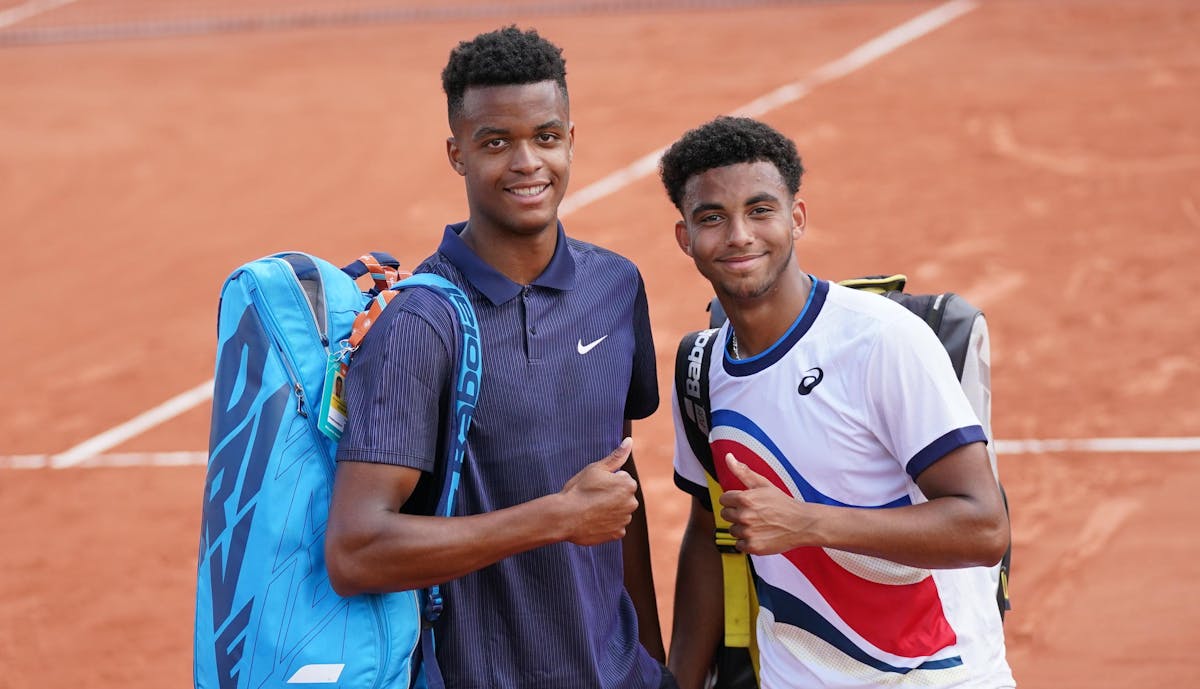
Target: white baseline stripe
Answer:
[[32, 8], [646, 165], [1183, 445], [1101, 445]]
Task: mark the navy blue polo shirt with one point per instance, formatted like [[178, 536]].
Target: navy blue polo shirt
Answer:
[[566, 359]]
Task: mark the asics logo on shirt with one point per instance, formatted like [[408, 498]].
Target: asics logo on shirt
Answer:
[[585, 348], [810, 381]]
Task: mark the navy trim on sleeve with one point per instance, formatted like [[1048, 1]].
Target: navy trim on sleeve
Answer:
[[698, 492], [642, 398], [943, 446], [350, 454]]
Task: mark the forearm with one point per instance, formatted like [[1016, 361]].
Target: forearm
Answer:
[[639, 576], [947, 532], [372, 547], [699, 606], [392, 552], [963, 523]]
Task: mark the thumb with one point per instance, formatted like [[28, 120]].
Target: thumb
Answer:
[[617, 458], [745, 474]]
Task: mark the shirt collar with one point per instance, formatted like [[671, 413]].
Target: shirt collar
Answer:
[[772, 354], [559, 274]]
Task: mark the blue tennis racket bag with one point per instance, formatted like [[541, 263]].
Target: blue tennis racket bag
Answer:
[[266, 614]]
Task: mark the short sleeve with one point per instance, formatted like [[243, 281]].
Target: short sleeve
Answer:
[[642, 399], [916, 401], [397, 383]]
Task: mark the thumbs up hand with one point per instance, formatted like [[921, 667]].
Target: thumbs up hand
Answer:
[[762, 518], [602, 499]]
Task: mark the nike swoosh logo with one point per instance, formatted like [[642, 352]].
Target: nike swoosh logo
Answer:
[[585, 348]]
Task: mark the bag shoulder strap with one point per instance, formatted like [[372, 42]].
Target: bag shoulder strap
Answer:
[[692, 363], [468, 376]]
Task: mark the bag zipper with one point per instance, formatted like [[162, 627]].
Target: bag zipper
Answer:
[[322, 333], [272, 327]]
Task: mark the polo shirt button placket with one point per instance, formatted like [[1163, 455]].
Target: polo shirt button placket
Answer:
[[531, 330]]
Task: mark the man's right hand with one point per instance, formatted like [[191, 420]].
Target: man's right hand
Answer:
[[601, 499]]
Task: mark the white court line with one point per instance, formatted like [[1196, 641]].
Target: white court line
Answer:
[[646, 165], [1100, 445], [126, 459], [134, 427], [1004, 448], [787, 94], [32, 8], [860, 57]]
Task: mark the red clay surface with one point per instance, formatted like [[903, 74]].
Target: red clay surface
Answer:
[[1042, 158]]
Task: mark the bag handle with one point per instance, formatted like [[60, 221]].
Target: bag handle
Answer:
[[382, 266], [879, 284]]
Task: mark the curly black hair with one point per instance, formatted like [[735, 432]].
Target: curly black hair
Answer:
[[503, 57], [728, 141]]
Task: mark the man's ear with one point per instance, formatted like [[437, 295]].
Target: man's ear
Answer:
[[454, 154], [799, 218], [571, 143], [682, 238]]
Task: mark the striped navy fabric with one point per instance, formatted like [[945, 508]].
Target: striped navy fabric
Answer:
[[566, 360]]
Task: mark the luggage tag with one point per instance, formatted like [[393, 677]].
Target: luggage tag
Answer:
[[331, 419]]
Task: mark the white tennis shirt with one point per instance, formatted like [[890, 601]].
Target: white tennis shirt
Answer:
[[847, 408]]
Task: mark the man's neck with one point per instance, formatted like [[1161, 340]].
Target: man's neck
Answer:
[[519, 257], [759, 323]]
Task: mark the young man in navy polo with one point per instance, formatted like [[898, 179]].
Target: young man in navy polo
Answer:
[[547, 558]]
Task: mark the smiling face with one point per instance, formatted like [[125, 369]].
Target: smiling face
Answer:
[[740, 223], [513, 145]]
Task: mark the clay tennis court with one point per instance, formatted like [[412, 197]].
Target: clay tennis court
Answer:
[[1040, 158]]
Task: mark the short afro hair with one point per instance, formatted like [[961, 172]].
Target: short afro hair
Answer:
[[728, 141], [504, 57]]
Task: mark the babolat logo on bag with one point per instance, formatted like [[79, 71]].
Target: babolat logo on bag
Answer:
[[693, 406], [266, 614]]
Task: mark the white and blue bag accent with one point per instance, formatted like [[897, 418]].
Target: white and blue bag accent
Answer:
[[266, 614]]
